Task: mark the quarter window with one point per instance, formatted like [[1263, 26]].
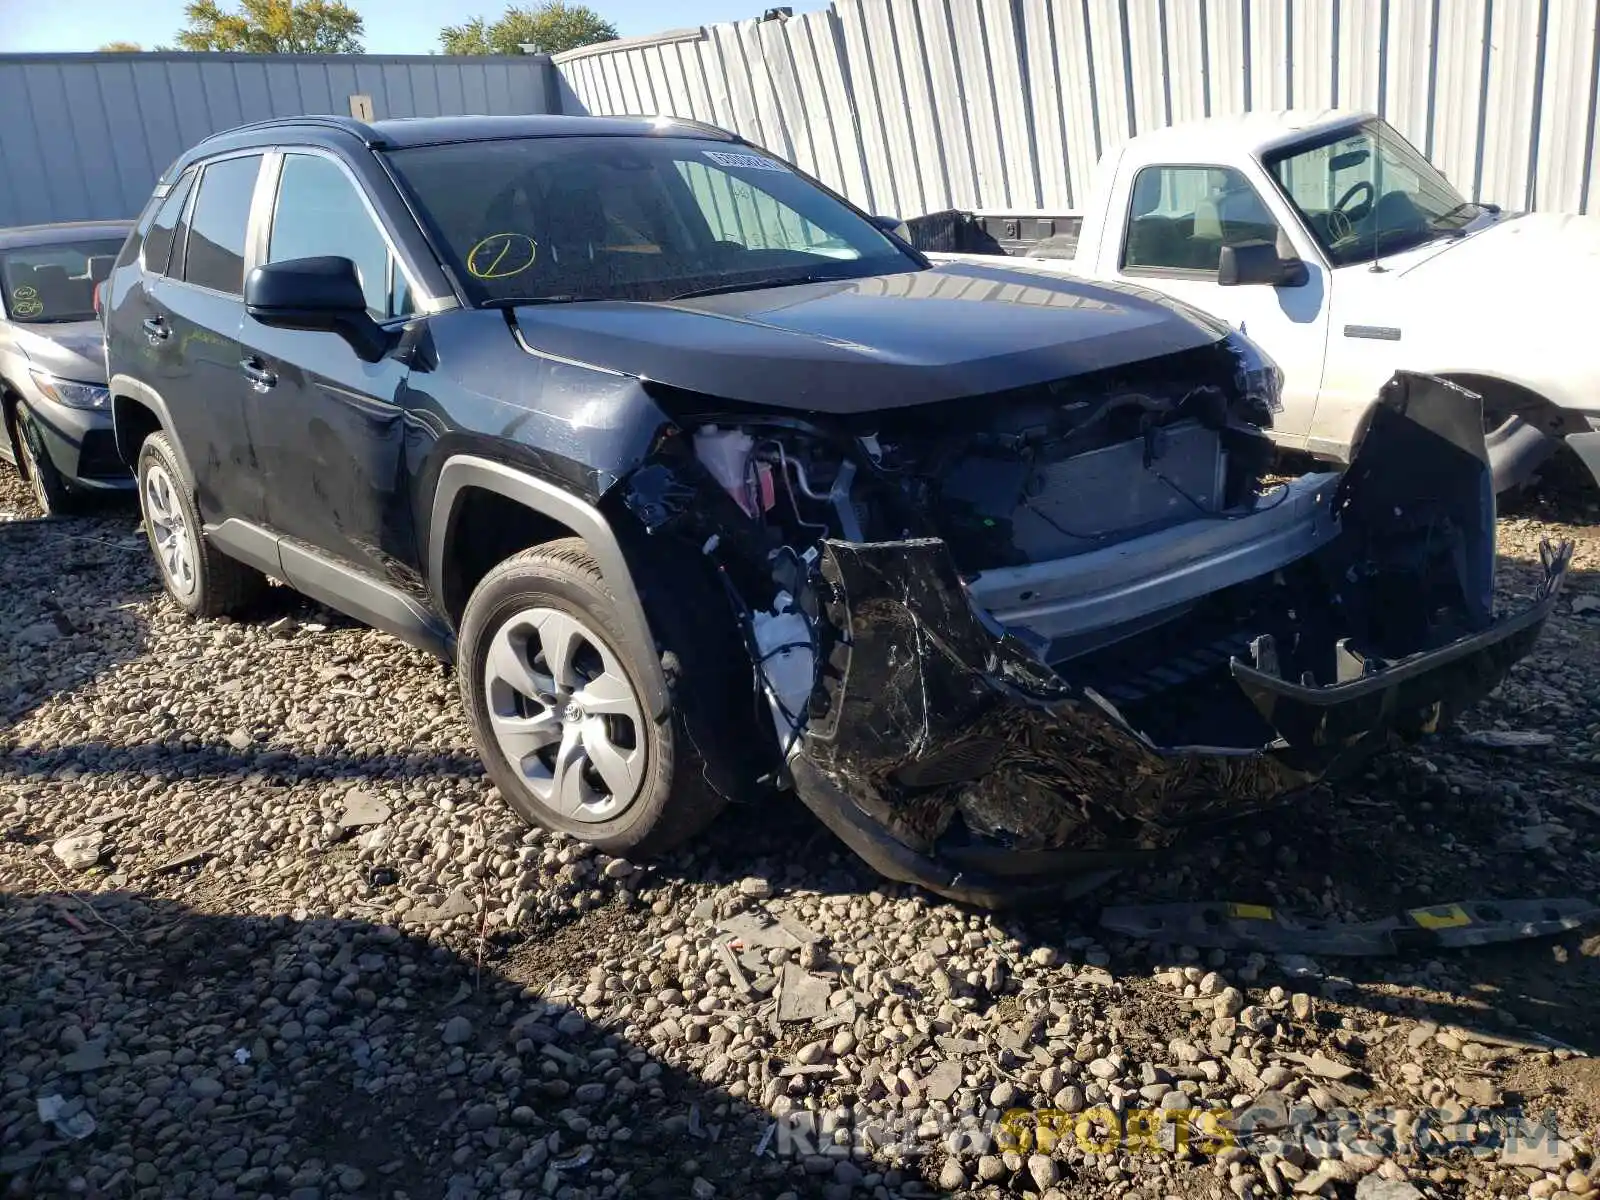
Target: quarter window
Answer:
[[1182, 217], [158, 242], [215, 257], [320, 212]]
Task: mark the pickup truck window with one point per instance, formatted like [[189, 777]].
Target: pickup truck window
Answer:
[[1367, 191], [632, 218], [1182, 217]]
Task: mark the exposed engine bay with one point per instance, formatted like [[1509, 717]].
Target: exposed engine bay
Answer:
[[1007, 639]]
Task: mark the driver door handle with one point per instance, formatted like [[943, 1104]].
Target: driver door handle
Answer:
[[155, 328], [260, 378]]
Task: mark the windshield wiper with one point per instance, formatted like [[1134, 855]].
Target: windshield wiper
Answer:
[[1433, 222], [721, 288], [519, 301]]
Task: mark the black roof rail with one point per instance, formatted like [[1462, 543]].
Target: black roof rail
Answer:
[[351, 125]]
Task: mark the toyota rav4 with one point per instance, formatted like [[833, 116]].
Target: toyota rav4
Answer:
[[708, 483]]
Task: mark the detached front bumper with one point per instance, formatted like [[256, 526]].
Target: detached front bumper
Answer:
[[937, 728], [942, 750]]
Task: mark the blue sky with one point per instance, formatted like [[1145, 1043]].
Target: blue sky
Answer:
[[393, 26]]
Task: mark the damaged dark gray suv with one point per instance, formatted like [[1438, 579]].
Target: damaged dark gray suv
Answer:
[[707, 481]]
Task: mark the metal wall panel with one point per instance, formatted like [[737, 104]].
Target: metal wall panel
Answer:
[[86, 135], [910, 106]]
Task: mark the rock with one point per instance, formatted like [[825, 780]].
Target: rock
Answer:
[[755, 887], [90, 1056], [1257, 1020], [457, 1031], [362, 808], [1103, 1068], [1300, 1005], [1229, 1002], [204, 1087], [81, 850], [991, 1168], [951, 1177], [481, 1116], [1044, 956], [1070, 1099], [1042, 1169], [943, 1081], [803, 996], [1375, 1187]]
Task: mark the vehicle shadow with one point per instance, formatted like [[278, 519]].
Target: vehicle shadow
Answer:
[[184, 1052]]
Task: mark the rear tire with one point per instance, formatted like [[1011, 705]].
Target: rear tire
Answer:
[[51, 491], [200, 579], [558, 714]]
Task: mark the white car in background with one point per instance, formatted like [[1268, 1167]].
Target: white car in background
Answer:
[[1338, 248]]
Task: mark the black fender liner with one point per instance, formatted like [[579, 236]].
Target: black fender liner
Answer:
[[586, 521]]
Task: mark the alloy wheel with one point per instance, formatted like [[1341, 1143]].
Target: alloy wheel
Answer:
[[565, 715], [174, 540]]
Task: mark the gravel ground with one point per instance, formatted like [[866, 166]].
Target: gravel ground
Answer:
[[294, 945]]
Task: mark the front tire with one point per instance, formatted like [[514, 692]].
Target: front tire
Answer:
[[200, 579], [558, 713], [51, 491]]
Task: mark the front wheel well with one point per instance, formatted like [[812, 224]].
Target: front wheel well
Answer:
[[485, 529]]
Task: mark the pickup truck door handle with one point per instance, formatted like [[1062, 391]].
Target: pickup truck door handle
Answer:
[[260, 378], [155, 328]]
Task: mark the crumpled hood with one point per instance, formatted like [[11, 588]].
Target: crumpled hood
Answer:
[[884, 341], [71, 349]]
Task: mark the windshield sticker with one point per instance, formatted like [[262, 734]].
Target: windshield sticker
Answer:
[[25, 302], [754, 162], [501, 255]]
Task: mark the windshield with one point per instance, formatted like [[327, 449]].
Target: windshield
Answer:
[[1367, 191], [633, 218], [55, 283]]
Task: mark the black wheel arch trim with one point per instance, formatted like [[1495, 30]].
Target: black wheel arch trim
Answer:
[[587, 522], [126, 386]]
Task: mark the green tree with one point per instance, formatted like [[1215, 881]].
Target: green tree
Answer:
[[274, 27], [122, 48], [552, 27]]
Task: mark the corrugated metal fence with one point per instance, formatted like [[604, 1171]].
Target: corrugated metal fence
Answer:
[[86, 135], [912, 106]]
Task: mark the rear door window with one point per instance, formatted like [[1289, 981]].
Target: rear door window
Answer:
[[218, 224]]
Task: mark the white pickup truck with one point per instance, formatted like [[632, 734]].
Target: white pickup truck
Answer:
[[1338, 248]]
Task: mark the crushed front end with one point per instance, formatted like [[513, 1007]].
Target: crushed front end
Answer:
[[1008, 645]]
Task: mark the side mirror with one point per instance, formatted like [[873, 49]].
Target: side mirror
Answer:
[[893, 226], [1259, 263], [316, 293]]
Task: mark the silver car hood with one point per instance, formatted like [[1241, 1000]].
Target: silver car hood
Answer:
[[70, 349]]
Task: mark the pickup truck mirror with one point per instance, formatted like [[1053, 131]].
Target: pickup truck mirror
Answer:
[[894, 226], [1259, 263], [322, 293]]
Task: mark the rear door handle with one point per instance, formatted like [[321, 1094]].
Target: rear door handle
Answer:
[[260, 378], [155, 328]]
